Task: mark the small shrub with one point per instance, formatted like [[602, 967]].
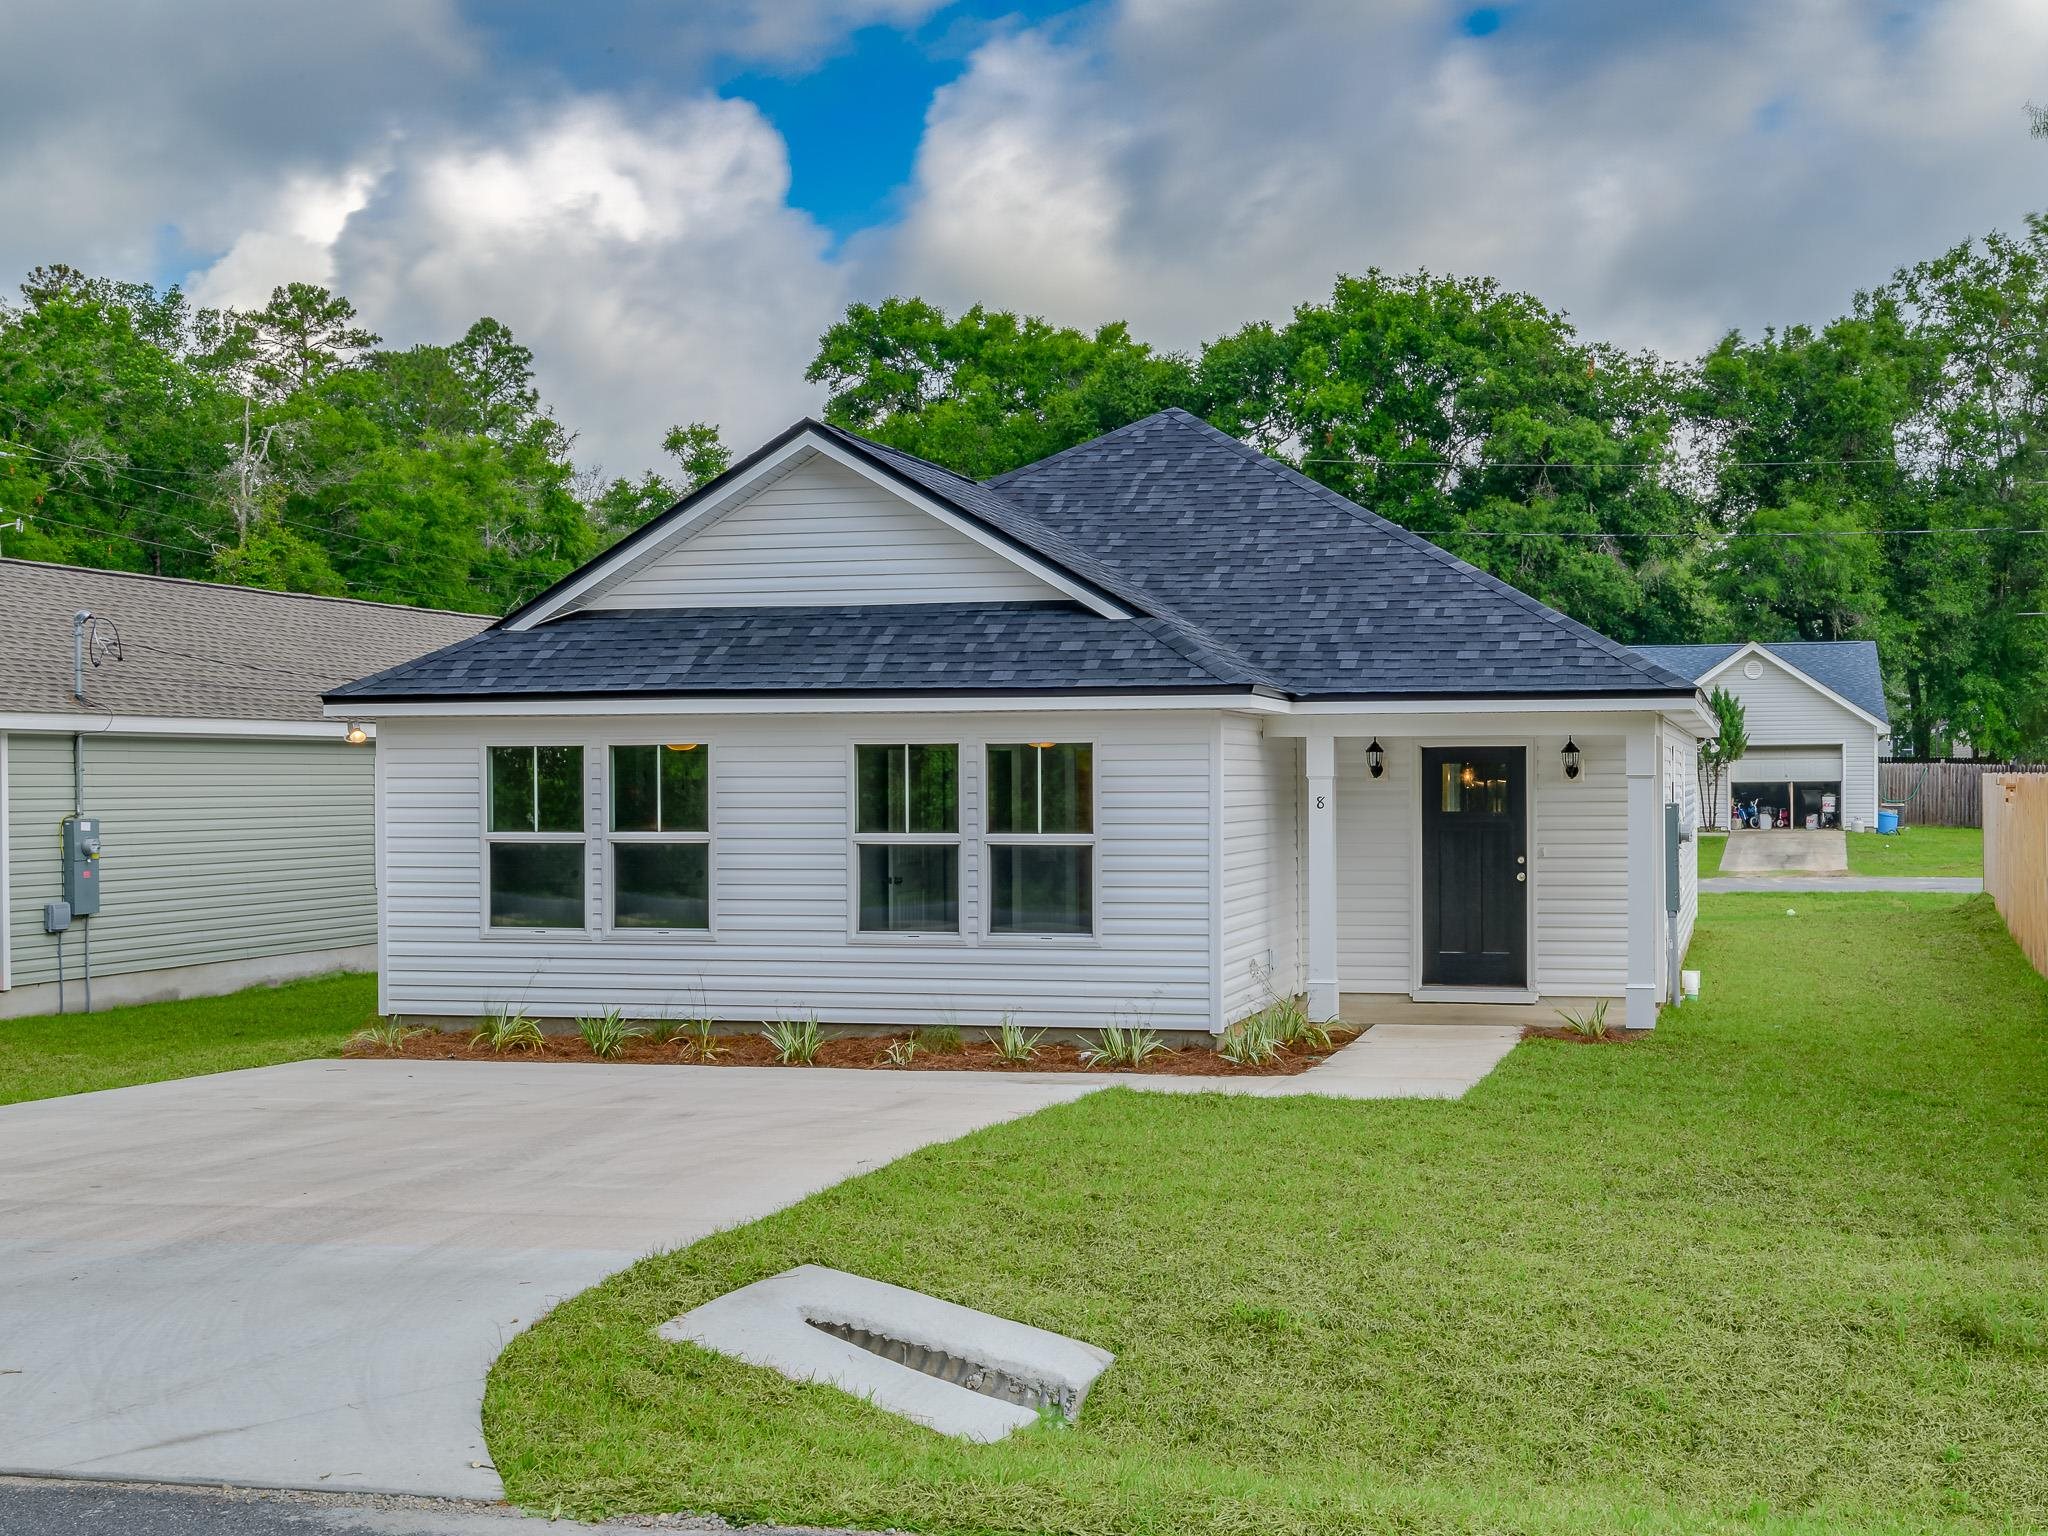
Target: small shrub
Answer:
[[506, 1028], [901, 1053], [1249, 1042], [1015, 1043], [607, 1033], [665, 1030], [795, 1041], [939, 1039], [384, 1035], [703, 1044], [1587, 1026], [1287, 1023], [1122, 1047]]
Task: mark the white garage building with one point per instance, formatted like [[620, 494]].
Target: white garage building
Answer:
[[1816, 717]]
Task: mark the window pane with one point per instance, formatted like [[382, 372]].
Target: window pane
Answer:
[[633, 787], [561, 788], [1041, 890], [1067, 785], [536, 885], [685, 790], [1453, 791], [662, 885], [934, 789], [511, 789], [1012, 788], [910, 888], [878, 789]]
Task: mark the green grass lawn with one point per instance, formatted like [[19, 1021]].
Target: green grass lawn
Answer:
[[54, 1054], [1777, 1268], [1919, 851], [1710, 847]]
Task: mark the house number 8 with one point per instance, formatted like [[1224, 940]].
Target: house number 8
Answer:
[[1320, 802]]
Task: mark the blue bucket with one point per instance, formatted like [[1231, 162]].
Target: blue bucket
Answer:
[[1888, 823]]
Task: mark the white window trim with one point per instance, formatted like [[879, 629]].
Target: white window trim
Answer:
[[708, 837], [992, 840], [856, 840], [487, 838]]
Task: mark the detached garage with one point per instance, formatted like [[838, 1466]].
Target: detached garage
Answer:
[[1817, 720]]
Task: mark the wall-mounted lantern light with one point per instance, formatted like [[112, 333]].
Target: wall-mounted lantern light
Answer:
[[1571, 758], [1376, 758], [355, 735]]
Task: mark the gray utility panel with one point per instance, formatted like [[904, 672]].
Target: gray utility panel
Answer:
[[82, 865]]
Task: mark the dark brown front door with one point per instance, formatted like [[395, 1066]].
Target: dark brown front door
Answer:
[[1475, 867]]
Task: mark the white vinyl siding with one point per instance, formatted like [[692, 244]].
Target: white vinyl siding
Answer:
[[215, 850], [1261, 867], [1377, 828], [782, 888], [1782, 710], [1681, 778], [820, 536]]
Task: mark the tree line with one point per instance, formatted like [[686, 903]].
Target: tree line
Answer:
[[1881, 476]]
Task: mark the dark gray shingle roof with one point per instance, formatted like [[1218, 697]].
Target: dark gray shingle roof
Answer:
[[1245, 573], [1847, 667], [969, 647], [197, 649]]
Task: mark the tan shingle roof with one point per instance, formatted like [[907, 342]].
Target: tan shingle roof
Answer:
[[197, 648]]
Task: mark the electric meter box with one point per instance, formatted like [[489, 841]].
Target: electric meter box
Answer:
[[82, 865]]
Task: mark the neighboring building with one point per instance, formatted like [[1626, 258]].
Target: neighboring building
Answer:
[[1816, 718], [237, 823], [845, 733]]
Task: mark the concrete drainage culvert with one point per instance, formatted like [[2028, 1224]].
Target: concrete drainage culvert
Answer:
[[959, 1371]]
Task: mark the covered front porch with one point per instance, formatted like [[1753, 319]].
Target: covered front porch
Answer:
[[1472, 866]]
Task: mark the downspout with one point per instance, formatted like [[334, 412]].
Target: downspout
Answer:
[[78, 622]]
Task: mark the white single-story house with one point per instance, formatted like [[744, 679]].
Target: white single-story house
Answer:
[[1154, 728], [1815, 715], [183, 718]]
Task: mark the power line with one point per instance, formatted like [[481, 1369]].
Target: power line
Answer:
[[1400, 463]]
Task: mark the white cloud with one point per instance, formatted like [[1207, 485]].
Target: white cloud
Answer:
[[649, 258], [1661, 173]]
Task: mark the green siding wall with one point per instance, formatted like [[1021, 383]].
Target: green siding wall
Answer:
[[213, 850]]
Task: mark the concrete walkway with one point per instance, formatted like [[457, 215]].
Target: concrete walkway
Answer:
[[1790, 883], [299, 1276]]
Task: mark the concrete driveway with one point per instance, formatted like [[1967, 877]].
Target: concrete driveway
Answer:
[[1794, 851], [299, 1276]]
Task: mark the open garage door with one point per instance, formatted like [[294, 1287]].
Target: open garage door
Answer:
[[1796, 786]]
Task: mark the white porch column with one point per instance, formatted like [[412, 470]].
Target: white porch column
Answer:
[[1645, 863], [1321, 760]]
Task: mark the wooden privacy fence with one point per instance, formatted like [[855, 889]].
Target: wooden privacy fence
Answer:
[[2016, 857], [1943, 792]]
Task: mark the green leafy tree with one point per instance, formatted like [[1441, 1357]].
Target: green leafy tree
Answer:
[[302, 335], [621, 505], [1726, 746], [1476, 416], [989, 390]]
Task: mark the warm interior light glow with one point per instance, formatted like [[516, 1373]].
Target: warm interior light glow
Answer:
[[1470, 778], [1044, 745], [682, 746]]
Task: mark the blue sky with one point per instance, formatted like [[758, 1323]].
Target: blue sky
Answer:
[[669, 200]]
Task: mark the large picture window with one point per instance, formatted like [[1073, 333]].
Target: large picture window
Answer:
[[534, 837], [661, 836], [906, 829], [1041, 838]]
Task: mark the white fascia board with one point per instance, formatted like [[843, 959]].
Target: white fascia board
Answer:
[[1342, 717], [1762, 652], [180, 725], [606, 567], [822, 704]]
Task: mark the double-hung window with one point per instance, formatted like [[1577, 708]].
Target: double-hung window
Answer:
[[534, 837], [906, 832], [1041, 838], [661, 836]]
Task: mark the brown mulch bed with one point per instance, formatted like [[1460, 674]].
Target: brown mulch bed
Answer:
[[858, 1051], [1614, 1036]]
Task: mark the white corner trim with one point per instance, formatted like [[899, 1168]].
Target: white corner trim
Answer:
[[1762, 652], [608, 567], [182, 725], [774, 1323]]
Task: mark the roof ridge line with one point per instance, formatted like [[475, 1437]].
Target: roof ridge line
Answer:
[[1100, 437], [1350, 508], [237, 586]]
